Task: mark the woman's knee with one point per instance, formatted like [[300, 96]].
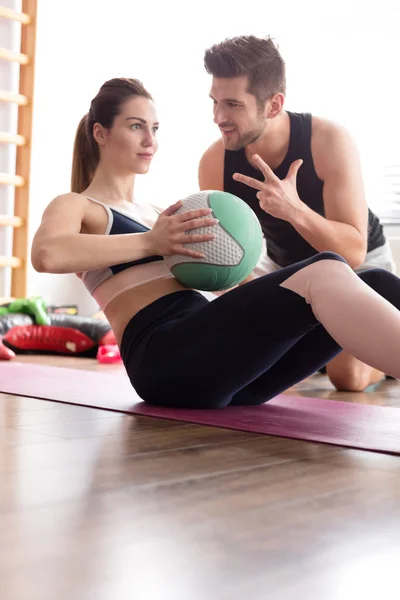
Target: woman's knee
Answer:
[[326, 269], [328, 255]]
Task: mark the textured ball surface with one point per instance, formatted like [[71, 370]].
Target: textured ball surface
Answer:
[[231, 256]]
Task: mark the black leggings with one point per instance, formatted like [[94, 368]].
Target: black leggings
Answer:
[[244, 347]]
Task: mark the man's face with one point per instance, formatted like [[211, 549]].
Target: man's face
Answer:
[[236, 112]]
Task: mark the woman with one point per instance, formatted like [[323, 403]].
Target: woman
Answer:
[[179, 349]]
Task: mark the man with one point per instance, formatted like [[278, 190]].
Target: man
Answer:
[[299, 173]]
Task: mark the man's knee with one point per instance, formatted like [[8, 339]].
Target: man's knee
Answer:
[[351, 378], [350, 382]]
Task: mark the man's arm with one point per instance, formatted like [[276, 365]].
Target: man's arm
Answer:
[[211, 168], [344, 229]]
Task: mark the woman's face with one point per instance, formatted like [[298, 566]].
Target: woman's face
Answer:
[[131, 142]]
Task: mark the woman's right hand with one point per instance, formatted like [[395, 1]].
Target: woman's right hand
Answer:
[[168, 233]]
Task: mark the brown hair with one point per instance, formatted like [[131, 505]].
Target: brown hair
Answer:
[[257, 58], [103, 109]]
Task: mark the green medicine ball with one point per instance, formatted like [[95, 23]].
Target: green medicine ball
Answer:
[[231, 256]]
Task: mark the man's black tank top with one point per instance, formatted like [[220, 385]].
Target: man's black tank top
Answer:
[[284, 245]]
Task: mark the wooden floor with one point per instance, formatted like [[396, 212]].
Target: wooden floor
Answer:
[[100, 506]]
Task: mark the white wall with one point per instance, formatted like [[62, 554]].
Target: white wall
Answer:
[[340, 63]]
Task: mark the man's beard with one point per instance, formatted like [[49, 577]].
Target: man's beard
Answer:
[[249, 137]]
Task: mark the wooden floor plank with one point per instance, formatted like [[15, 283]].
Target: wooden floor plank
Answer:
[[97, 506]]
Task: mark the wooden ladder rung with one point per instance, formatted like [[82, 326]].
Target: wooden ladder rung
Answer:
[[13, 15], [12, 138], [11, 56], [13, 97], [10, 220], [10, 261], [15, 180]]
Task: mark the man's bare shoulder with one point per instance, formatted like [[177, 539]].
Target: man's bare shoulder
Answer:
[[211, 167], [213, 152], [331, 143], [326, 130]]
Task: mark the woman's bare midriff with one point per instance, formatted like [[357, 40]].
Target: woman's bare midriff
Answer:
[[121, 310]]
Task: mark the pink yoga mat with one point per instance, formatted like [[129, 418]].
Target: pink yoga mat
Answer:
[[312, 419]]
